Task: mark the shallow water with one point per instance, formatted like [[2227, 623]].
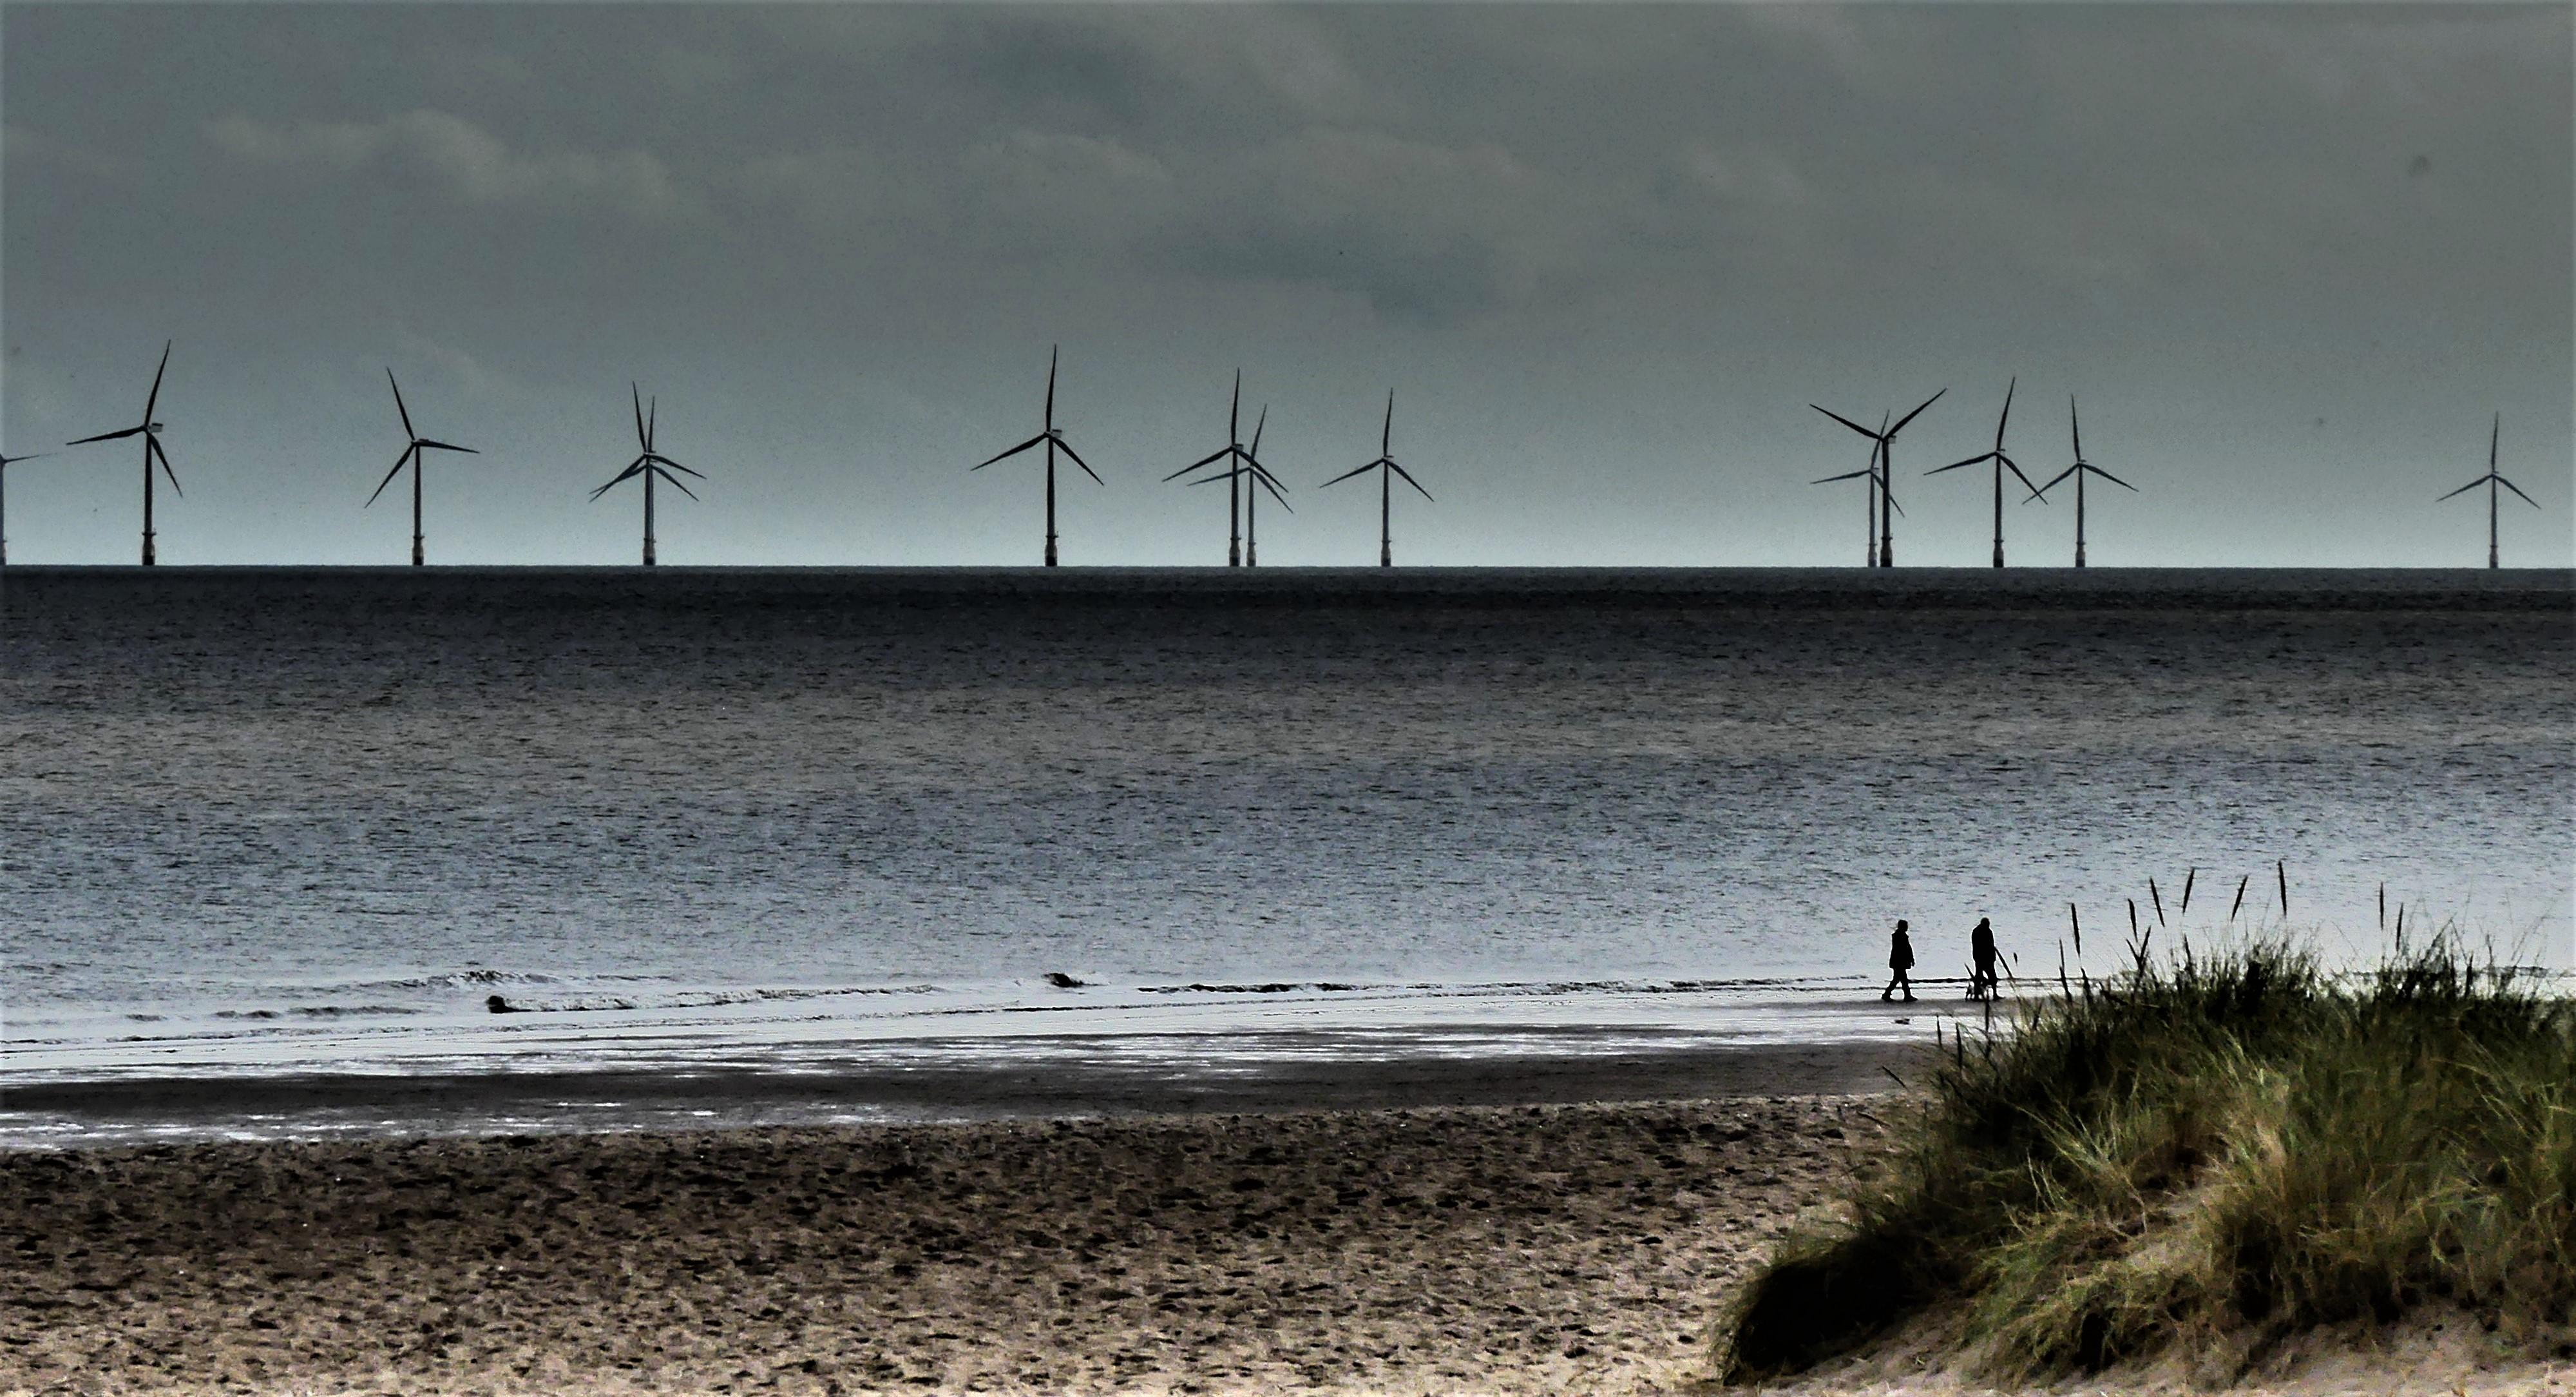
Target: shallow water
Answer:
[[293, 820]]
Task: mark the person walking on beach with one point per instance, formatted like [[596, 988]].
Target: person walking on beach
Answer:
[[1981, 951], [1900, 959]]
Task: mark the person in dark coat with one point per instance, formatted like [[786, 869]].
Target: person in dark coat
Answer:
[[1900, 959], [1981, 954]]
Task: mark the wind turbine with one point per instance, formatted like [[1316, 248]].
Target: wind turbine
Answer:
[[1384, 464], [1233, 453], [411, 457], [2491, 480], [1053, 440], [5, 463], [2079, 470], [2002, 463], [648, 463], [1869, 531], [151, 433], [1263, 480], [1886, 438]]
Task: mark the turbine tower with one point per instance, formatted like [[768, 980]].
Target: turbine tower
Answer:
[[2491, 480], [2079, 470], [1262, 479], [411, 457], [1869, 495], [1053, 440], [5, 463], [151, 433], [1235, 456], [2002, 463], [1886, 439], [1386, 468], [649, 464]]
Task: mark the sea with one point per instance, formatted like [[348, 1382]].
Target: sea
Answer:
[[327, 851]]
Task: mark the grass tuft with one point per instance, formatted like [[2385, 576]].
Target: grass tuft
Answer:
[[2208, 1157]]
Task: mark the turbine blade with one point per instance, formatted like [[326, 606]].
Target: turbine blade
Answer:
[[1077, 460], [1014, 451], [618, 479], [1208, 460], [1954, 465], [1927, 402], [1219, 478], [398, 404], [2075, 425], [2017, 475], [1871, 471], [1258, 424], [1050, 406], [1408, 479], [152, 445], [2494, 429], [399, 462], [2007, 417], [2061, 475], [2526, 499], [2106, 475], [446, 446], [1262, 479], [674, 482], [155, 395], [2481, 480], [104, 436], [1386, 433], [1864, 431], [1355, 470], [1234, 411], [667, 461], [638, 395]]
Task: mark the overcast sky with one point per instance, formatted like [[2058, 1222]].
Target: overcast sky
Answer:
[[2291, 257]]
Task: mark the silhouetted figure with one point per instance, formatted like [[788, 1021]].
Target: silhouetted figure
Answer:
[[1900, 959], [1981, 952]]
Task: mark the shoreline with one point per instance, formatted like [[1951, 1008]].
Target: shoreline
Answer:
[[108, 1113]]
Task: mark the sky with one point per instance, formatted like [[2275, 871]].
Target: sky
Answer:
[[2291, 258]]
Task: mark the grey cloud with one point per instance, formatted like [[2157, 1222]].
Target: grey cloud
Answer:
[[468, 160]]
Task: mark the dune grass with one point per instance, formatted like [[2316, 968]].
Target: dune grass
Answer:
[[2208, 1157]]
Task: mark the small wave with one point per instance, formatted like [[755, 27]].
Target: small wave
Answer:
[[503, 1004], [305, 1011]]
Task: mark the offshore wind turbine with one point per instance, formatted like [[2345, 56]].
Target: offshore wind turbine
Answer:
[[1886, 439], [5, 463], [151, 433], [649, 464], [1234, 455], [1262, 479], [2491, 480], [1870, 496], [1383, 465], [2002, 463], [1053, 440], [411, 457], [2079, 470]]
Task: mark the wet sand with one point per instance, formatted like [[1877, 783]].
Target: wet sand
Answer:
[[1501, 1249]]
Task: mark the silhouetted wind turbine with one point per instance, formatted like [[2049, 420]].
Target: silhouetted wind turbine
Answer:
[[1262, 479], [151, 432], [2002, 463], [1053, 440], [1233, 453], [2491, 480], [411, 457], [5, 463], [1886, 439], [648, 463], [1383, 465], [2079, 470], [1869, 531]]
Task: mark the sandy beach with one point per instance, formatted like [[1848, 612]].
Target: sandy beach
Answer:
[[1489, 1249]]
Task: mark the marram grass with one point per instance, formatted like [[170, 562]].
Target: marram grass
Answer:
[[2207, 1158]]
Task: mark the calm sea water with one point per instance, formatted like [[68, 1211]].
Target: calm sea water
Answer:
[[305, 821]]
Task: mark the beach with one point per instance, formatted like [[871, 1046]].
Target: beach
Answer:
[[1485, 1248]]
